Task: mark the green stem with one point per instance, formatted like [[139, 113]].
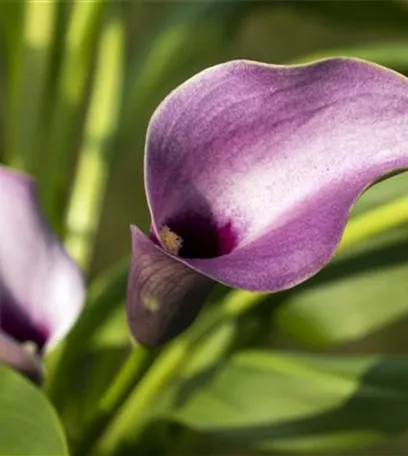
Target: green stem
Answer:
[[12, 15], [374, 222], [81, 39], [124, 420], [85, 206], [113, 398], [37, 44], [131, 419], [55, 57], [89, 189]]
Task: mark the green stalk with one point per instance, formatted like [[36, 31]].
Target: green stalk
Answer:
[[130, 420], [122, 422], [375, 221], [38, 32], [12, 16], [50, 84], [114, 397], [93, 166], [81, 39]]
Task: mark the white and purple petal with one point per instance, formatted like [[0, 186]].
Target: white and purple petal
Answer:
[[41, 289], [255, 167]]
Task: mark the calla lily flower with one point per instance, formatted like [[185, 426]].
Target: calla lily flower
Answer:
[[251, 171], [41, 289]]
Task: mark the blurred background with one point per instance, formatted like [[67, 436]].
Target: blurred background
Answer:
[[80, 81]]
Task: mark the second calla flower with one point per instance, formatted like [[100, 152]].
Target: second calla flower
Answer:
[[41, 288], [251, 171]]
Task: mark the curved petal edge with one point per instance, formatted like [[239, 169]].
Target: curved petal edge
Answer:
[[38, 280], [276, 154]]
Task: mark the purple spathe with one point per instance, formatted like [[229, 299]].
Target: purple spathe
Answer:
[[165, 291], [256, 167], [41, 289]]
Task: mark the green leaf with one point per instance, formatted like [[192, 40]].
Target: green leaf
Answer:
[[78, 49], [373, 293], [97, 365], [383, 14], [11, 34], [92, 172], [31, 84], [95, 371], [392, 55], [211, 350], [28, 423], [204, 355], [361, 291], [298, 402]]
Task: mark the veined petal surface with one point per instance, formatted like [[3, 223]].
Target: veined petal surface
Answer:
[[164, 295], [256, 167]]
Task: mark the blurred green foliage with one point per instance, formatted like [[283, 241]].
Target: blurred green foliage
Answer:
[[79, 82]]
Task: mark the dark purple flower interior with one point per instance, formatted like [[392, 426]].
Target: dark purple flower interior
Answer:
[[201, 236], [17, 325]]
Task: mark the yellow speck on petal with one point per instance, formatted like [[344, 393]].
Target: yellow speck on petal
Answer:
[[151, 303], [30, 347], [170, 240]]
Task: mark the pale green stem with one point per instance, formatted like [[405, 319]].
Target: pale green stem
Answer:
[[134, 415], [12, 16], [92, 172], [375, 221], [131, 367], [78, 52], [38, 32], [113, 398]]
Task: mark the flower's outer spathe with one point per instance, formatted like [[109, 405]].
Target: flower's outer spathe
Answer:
[[41, 289], [169, 293], [253, 169]]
